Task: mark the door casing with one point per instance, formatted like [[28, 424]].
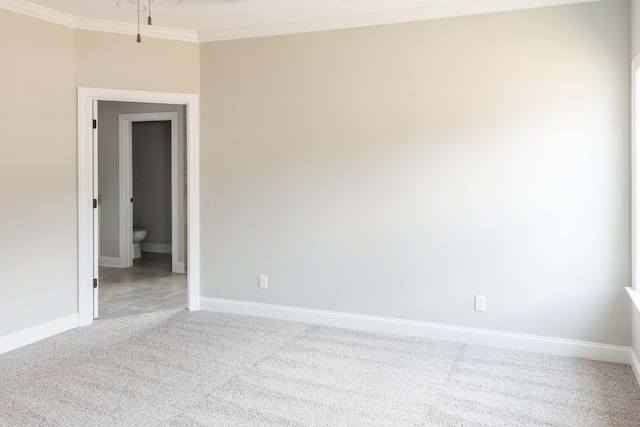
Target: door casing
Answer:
[[126, 186], [87, 176]]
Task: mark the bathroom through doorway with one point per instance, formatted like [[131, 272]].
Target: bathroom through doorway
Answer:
[[88, 210], [142, 212]]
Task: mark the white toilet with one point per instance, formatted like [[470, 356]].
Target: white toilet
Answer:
[[139, 234]]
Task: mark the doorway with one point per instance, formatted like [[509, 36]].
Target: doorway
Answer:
[[88, 238], [160, 201], [141, 208]]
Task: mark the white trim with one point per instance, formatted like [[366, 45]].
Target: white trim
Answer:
[[635, 297], [131, 30], [85, 207], [110, 261], [61, 18], [438, 11], [37, 333], [125, 220], [126, 186], [635, 365], [40, 12], [355, 21], [158, 248], [192, 256], [96, 210], [86, 96], [507, 340], [180, 268], [635, 161]]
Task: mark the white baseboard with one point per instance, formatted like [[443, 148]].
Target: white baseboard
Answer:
[[37, 333], [635, 365], [179, 268], [158, 248], [507, 340], [109, 261]]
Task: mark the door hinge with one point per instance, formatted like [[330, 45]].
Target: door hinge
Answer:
[[95, 283], [132, 200], [95, 203], [95, 124]]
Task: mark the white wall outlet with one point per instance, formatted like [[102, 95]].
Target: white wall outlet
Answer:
[[481, 303], [263, 282]]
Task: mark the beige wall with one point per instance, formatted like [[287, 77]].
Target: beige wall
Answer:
[[116, 61], [400, 170], [42, 65], [395, 170], [38, 214]]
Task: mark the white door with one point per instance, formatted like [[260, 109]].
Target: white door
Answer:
[[96, 212]]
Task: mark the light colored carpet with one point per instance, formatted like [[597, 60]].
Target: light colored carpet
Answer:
[[179, 368]]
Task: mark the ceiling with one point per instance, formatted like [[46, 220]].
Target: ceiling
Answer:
[[211, 20]]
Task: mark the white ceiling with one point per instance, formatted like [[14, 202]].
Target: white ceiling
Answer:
[[210, 20]]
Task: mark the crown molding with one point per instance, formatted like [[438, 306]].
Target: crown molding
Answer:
[[39, 12], [132, 29], [409, 15], [67, 20]]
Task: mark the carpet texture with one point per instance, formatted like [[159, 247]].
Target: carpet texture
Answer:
[[208, 369]]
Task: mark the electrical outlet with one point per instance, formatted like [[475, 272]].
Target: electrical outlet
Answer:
[[481, 303], [263, 282]]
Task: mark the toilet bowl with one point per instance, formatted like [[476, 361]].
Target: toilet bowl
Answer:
[[139, 234]]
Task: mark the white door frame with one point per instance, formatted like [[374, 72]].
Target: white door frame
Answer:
[[96, 209], [125, 123], [635, 174], [86, 97], [635, 165]]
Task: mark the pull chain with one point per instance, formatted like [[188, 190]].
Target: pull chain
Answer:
[[139, 39]]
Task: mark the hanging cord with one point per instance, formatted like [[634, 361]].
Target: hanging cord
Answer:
[[149, 20], [139, 39]]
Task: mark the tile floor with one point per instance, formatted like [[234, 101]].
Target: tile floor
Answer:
[[146, 287]]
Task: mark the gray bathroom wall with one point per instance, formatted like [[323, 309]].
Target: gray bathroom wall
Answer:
[[108, 187], [151, 161]]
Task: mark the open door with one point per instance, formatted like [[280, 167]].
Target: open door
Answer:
[[96, 212]]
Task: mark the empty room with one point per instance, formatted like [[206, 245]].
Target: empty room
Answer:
[[364, 213]]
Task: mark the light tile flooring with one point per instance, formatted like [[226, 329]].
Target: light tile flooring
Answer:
[[146, 287]]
